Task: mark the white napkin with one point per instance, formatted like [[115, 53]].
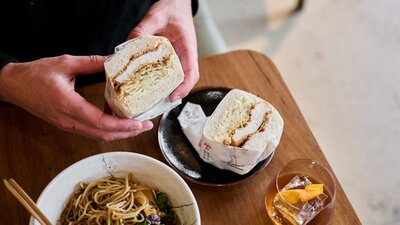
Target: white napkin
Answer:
[[238, 160], [192, 120]]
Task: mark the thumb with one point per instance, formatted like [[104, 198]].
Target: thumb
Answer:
[[84, 64], [150, 25]]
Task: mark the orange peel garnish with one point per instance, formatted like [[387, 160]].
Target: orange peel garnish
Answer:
[[309, 192]]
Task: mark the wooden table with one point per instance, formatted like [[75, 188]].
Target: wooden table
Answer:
[[34, 152]]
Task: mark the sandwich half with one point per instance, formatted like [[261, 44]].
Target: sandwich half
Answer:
[[243, 120], [140, 76]]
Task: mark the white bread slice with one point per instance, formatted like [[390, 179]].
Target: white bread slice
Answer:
[[245, 121], [141, 74]]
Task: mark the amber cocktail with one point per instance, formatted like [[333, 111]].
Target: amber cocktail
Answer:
[[303, 192]]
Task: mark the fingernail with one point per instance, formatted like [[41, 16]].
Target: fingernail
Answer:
[[148, 126], [175, 98]]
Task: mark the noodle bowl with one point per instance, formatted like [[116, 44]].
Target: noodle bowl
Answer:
[[150, 177], [117, 201]]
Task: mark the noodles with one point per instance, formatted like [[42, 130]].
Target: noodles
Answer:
[[117, 201]]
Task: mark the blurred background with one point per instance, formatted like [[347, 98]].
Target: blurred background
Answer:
[[341, 61]]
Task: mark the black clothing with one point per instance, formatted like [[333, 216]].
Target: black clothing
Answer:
[[33, 29]]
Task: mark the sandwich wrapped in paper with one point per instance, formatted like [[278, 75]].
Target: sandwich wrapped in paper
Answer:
[[140, 76], [242, 131]]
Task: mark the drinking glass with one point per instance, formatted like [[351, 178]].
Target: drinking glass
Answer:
[[308, 170]]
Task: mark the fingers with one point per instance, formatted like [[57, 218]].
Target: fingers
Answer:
[[162, 19], [88, 120], [75, 65], [71, 124], [150, 25], [187, 52], [184, 88], [102, 135], [82, 110], [93, 133]]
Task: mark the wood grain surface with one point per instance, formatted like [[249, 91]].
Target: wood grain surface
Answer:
[[34, 152]]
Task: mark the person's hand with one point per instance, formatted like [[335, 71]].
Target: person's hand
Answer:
[[173, 20], [45, 88]]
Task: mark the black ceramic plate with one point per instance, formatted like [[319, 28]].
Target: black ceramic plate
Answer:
[[180, 154]]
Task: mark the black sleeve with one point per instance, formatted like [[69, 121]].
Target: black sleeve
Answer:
[[5, 59]]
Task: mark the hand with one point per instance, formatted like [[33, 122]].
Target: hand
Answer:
[[45, 88], [173, 20]]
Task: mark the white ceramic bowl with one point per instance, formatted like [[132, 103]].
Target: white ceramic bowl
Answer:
[[145, 169]]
